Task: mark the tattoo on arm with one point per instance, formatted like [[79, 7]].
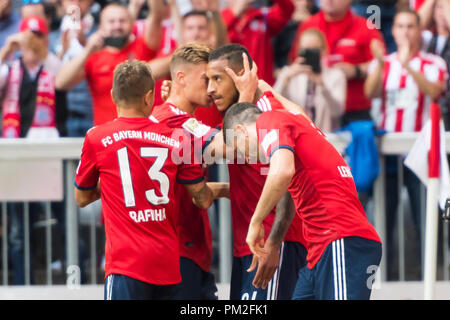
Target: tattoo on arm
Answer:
[[283, 218]]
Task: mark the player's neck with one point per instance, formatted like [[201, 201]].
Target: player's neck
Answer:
[[258, 94], [180, 101], [131, 112]]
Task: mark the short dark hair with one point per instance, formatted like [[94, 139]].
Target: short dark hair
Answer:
[[132, 80], [409, 11], [239, 113], [196, 13], [232, 52]]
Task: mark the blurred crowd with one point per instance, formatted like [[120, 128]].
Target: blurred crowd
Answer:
[[347, 63]]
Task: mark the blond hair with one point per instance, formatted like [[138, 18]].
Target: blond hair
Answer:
[[191, 53]]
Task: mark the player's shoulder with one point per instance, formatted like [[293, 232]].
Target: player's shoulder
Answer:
[[268, 102], [169, 114]]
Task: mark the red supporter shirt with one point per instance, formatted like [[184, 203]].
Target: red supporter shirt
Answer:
[[322, 188], [255, 30], [132, 157], [348, 41], [194, 227], [99, 70], [246, 184], [167, 47]]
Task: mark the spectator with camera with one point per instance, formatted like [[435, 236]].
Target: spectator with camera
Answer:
[[348, 38], [112, 44], [310, 83]]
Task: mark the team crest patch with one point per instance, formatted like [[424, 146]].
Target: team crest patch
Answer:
[[196, 128]]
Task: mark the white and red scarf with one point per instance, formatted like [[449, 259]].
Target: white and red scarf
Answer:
[[44, 118]]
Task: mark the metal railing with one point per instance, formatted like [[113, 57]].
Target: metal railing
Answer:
[[59, 159]]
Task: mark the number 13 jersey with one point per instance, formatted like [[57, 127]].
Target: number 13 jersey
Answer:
[[133, 160]]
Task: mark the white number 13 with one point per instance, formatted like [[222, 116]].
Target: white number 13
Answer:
[[154, 172]]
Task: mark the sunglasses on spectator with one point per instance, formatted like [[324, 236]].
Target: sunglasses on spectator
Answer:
[[25, 2]]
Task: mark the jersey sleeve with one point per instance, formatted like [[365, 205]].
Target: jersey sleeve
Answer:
[[273, 135], [190, 173], [87, 174]]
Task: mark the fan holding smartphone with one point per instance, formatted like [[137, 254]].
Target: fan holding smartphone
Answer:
[[309, 82]]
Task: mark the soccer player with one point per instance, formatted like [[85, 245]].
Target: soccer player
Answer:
[[188, 91], [342, 245], [229, 75], [129, 163]]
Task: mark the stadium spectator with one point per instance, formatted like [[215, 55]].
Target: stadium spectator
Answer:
[[407, 81], [105, 49], [142, 256], [348, 38], [68, 42], [438, 42], [31, 108], [9, 21], [283, 41], [255, 28], [321, 92]]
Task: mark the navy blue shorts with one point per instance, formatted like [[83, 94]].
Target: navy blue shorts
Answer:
[[121, 287], [344, 272], [282, 285], [196, 283]]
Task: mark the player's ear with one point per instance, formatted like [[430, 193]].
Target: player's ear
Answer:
[[149, 98], [180, 75], [112, 97]]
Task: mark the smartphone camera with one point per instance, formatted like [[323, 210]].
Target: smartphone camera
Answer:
[[312, 58]]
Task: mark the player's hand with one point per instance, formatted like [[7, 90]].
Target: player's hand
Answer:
[[255, 238], [165, 89], [267, 265], [247, 82]]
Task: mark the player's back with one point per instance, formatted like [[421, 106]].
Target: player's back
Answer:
[[323, 188], [246, 183], [193, 224], [133, 159]]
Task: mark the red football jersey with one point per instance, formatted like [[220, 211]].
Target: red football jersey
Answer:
[[133, 158], [194, 227], [246, 184], [322, 188]]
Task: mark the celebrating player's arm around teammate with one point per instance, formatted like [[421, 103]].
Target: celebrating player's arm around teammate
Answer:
[[343, 247], [129, 164]]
